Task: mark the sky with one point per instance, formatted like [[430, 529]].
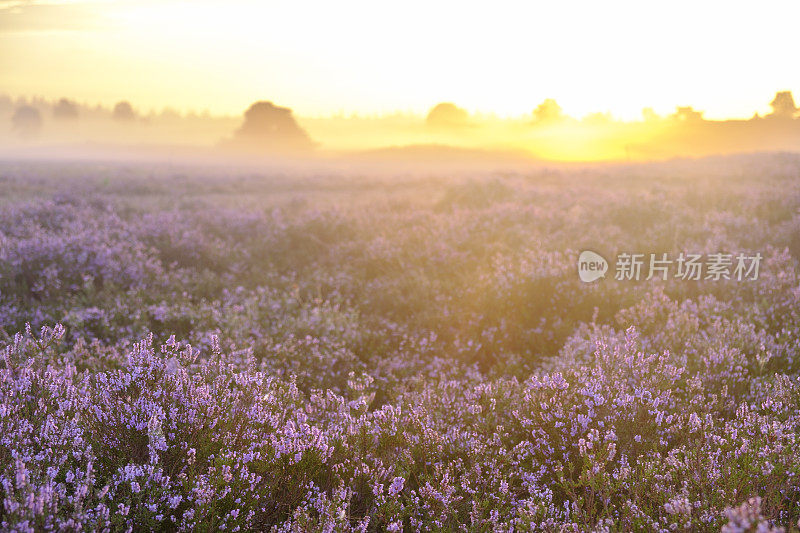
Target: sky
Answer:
[[365, 56]]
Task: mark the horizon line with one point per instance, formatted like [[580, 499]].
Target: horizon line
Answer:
[[147, 111]]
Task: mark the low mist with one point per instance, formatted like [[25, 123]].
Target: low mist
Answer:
[[64, 127]]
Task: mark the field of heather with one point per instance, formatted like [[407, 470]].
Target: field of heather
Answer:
[[206, 349]]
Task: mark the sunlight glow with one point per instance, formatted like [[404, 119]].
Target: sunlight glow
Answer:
[[603, 63], [367, 57]]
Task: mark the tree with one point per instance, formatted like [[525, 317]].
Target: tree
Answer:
[[27, 121], [268, 127], [65, 110], [5, 104], [548, 111], [649, 115], [687, 114], [783, 105], [123, 112], [447, 115]]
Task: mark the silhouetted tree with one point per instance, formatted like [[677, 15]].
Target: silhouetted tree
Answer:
[[598, 118], [5, 103], [548, 111], [687, 114], [27, 121], [649, 115], [269, 127], [123, 112], [65, 110], [783, 105], [447, 115], [169, 114]]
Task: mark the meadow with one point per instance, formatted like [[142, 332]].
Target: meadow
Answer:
[[189, 349]]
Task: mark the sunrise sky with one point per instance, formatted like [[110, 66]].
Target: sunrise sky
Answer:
[[354, 56]]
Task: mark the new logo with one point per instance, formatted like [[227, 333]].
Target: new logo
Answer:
[[591, 266]]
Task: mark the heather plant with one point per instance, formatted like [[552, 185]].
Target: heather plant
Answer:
[[236, 351]]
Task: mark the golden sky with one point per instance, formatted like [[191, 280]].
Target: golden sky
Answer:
[[366, 56]]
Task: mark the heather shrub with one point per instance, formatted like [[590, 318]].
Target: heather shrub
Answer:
[[238, 351]]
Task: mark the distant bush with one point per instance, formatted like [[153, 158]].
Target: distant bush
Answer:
[[65, 110], [27, 121], [447, 116], [271, 128], [123, 112]]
